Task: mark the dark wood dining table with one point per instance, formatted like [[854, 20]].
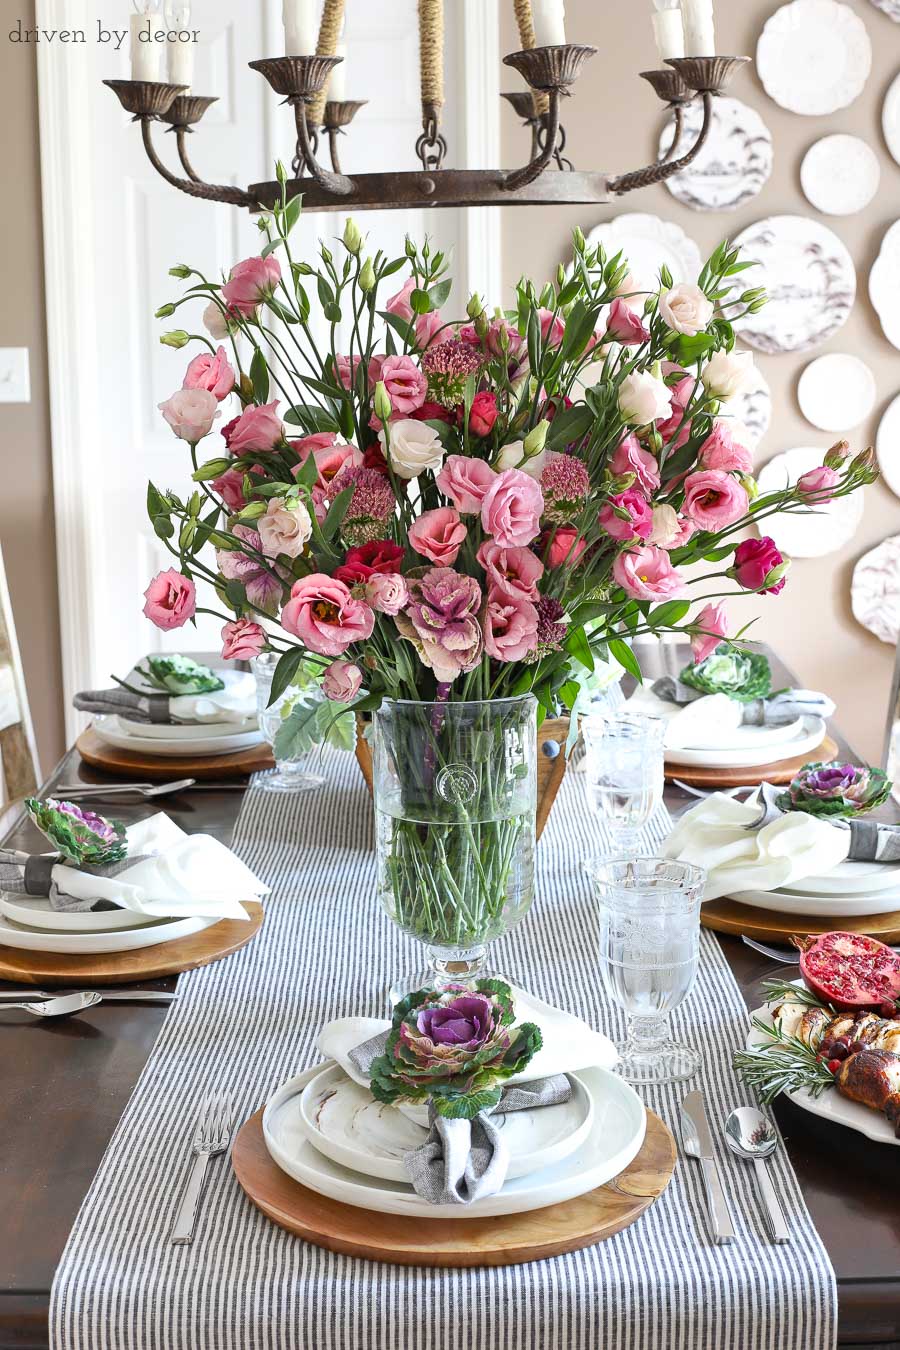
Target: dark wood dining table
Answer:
[[64, 1085]]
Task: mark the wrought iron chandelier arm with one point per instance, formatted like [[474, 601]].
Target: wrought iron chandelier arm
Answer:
[[521, 177], [337, 183], [180, 141], [676, 134], [663, 169], [212, 192]]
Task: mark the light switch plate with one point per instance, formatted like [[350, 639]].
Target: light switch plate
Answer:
[[15, 383]]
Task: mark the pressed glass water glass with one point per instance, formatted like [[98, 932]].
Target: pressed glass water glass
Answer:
[[295, 773], [624, 772], [649, 949]]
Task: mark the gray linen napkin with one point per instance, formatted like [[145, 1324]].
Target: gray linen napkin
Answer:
[[136, 707], [31, 874], [462, 1161], [777, 711], [870, 840]]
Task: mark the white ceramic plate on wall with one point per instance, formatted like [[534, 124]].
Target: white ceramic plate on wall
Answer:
[[875, 590], [890, 118], [836, 391], [811, 534], [840, 175], [887, 446], [814, 56], [733, 165], [884, 284], [648, 243]]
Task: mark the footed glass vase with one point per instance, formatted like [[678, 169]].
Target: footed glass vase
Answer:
[[455, 796]]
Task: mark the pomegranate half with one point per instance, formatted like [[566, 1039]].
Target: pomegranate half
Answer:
[[850, 970]]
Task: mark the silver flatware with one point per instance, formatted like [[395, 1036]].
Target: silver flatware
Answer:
[[212, 1137], [698, 1143], [752, 1136], [107, 995], [72, 791], [774, 954], [65, 1005]]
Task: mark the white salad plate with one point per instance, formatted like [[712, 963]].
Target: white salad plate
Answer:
[[830, 1105], [890, 118], [836, 391], [814, 56], [852, 878], [35, 912], [887, 446], [808, 535], [810, 281], [111, 729], [749, 738], [92, 944], [649, 243], [787, 901], [734, 163], [884, 284], [840, 175], [347, 1125], [612, 1143], [186, 731], [809, 737]]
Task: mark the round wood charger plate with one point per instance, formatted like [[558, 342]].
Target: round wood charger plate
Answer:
[[728, 916], [505, 1240], [146, 963], [238, 764], [782, 771]]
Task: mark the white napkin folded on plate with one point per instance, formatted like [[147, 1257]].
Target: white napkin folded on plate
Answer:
[[714, 834], [188, 875], [701, 725], [233, 705]]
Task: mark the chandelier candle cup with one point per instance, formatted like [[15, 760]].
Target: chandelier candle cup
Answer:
[[649, 911], [624, 772]]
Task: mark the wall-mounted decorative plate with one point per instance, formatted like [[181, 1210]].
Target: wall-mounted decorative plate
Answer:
[[884, 284], [647, 243], [875, 590], [887, 446], [889, 7], [840, 174], [836, 392], [809, 277], [814, 56], [812, 535], [753, 408], [733, 165], [890, 118]]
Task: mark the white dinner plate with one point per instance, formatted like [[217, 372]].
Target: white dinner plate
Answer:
[[35, 912], [748, 738], [831, 1105], [110, 729], [92, 944], [347, 1124], [613, 1142], [784, 901], [875, 590], [187, 731], [808, 738], [814, 56], [852, 878], [734, 163]]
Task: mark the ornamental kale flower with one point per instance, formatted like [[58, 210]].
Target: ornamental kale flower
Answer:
[[180, 675], [447, 367], [371, 506], [835, 789], [454, 1048], [82, 837], [743, 676]]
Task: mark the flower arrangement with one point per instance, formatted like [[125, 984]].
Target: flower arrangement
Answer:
[[742, 675], [82, 837], [446, 508], [835, 789], [454, 1049]]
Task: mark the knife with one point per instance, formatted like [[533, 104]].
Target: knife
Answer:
[[109, 995], [697, 1140]]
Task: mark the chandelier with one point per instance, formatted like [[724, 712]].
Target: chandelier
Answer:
[[311, 80]]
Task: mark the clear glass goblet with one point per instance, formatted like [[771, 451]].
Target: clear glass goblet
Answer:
[[624, 772], [292, 773], [649, 950]]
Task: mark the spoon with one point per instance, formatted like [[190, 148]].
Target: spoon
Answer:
[[751, 1135], [71, 791], [62, 1006]]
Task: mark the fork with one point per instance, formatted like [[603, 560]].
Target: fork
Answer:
[[213, 1136], [72, 791]]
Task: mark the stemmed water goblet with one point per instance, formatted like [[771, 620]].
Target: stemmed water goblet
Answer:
[[624, 772]]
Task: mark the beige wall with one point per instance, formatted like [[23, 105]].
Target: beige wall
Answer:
[[26, 502], [613, 123]]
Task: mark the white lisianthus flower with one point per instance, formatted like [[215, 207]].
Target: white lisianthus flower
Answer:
[[727, 374], [512, 456], [214, 322], [665, 528], [284, 528], [685, 309], [412, 447], [643, 398]]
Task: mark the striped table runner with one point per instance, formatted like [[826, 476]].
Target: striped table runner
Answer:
[[246, 1024]]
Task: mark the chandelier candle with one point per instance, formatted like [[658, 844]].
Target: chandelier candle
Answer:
[[180, 44], [549, 19], [667, 29], [699, 32], [146, 49], [337, 85], [300, 27]]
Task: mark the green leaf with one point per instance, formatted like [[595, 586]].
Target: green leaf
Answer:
[[332, 313], [259, 377], [326, 294], [625, 657], [670, 613], [577, 645], [284, 672], [336, 512], [309, 414], [420, 302], [569, 692], [307, 473], [300, 731], [156, 503], [439, 293], [401, 327], [467, 1107], [291, 214], [570, 424]]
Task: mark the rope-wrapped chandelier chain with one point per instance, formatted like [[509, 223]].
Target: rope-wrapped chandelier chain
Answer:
[[525, 25], [431, 145], [329, 36]]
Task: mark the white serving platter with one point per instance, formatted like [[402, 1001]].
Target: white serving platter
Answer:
[[614, 1141], [112, 730], [347, 1125], [814, 56], [154, 934], [35, 912], [809, 737], [826, 527]]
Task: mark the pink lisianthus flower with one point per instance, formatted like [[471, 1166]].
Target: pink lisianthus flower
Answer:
[[566, 547], [345, 368], [675, 434], [190, 413], [511, 509], [514, 352], [818, 484], [330, 458], [261, 584], [325, 616], [250, 282], [624, 325], [713, 499], [399, 303], [711, 625], [438, 535], [431, 328], [670, 530], [171, 599], [341, 681], [215, 374], [629, 456], [552, 327], [465, 481], [405, 384], [639, 522], [387, 592], [511, 571], [759, 566], [242, 639], [646, 574], [441, 621], [257, 428], [721, 451], [230, 487], [510, 626]]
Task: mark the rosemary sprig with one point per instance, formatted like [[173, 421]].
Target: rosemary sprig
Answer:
[[785, 1065], [776, 990]]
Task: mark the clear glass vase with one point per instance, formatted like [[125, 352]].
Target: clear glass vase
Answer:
[[455, 798]]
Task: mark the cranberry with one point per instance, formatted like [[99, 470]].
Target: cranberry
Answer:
[[856, 1046], [834, 1065], [825, 1050]]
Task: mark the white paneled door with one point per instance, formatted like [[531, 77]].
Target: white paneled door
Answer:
[[113, 229]]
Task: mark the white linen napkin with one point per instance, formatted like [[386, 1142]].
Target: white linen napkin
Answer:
[[714, 835]]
